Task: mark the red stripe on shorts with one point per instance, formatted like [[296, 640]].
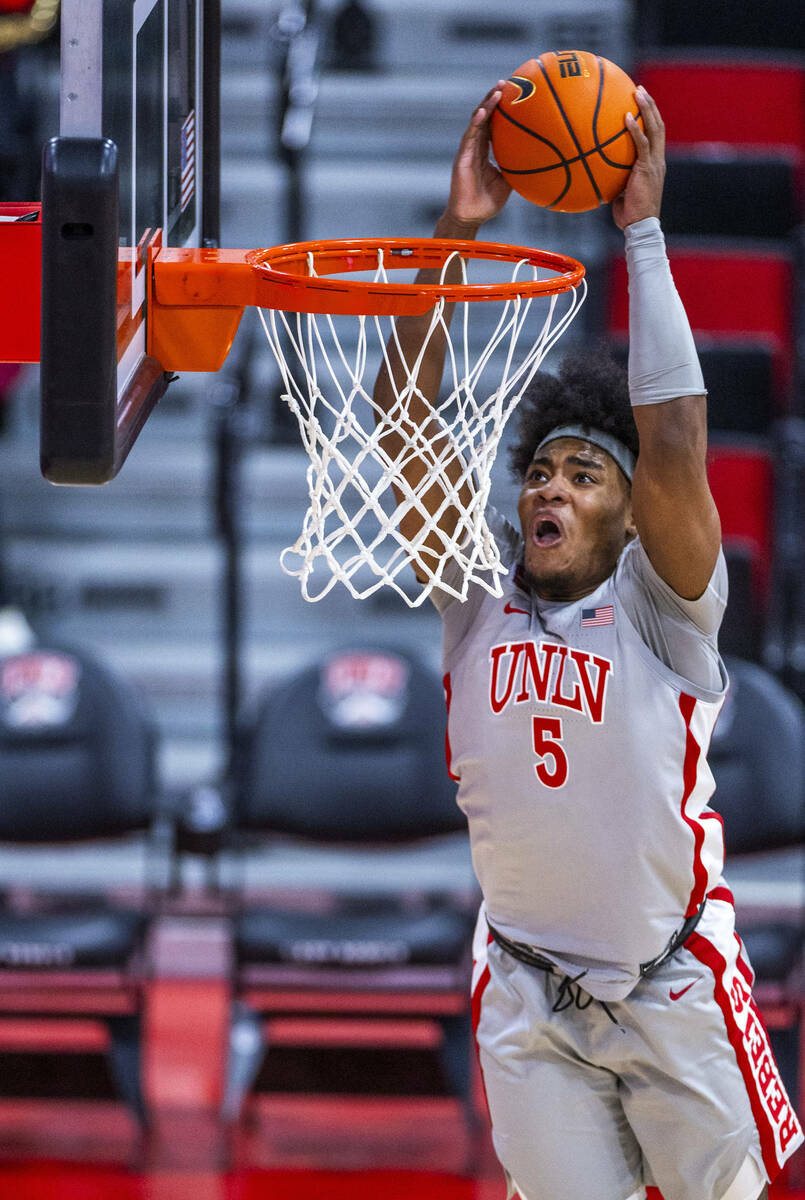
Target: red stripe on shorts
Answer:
[[478, 992], [477, 997], [723, 893], [774, 1116]]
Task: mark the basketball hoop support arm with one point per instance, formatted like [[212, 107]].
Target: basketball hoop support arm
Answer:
[[196, 297]]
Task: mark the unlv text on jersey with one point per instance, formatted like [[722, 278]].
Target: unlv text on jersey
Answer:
[[551, 674]]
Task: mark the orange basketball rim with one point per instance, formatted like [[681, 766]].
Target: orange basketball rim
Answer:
[[196, 297]]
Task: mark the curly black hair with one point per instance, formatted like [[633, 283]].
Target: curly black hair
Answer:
[[590, 389]]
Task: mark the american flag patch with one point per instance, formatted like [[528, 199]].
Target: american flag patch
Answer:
[[188, 182], [597, 616]]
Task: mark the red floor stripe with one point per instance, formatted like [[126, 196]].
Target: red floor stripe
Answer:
[[63, 1182], [54, 1181]]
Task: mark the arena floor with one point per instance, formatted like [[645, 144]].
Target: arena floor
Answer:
[[289, 1148]]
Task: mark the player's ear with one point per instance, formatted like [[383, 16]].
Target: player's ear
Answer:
[[631, 528]]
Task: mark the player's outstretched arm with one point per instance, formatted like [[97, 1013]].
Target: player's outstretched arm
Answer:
[[477, 193], [673, 508]]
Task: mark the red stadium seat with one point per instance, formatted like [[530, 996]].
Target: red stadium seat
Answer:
[[736, 137], [742, 482], [728, 296], [738, 101]]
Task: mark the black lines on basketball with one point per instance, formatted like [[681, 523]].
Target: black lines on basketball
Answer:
[[531, 133], [598, 96], [611, 162], [581, 154], [599, 145], [561, 161], [596, 149]]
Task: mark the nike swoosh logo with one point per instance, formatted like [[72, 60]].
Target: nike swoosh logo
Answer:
[[677, 995], [509, 608]]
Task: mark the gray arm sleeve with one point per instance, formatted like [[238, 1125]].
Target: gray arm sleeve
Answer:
[[682, 634]]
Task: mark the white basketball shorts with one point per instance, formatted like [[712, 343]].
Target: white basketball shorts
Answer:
[[683, 1093]]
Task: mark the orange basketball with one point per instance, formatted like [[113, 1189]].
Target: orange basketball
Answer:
[[559, 134]]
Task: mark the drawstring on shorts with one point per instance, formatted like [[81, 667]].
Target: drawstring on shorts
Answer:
[[566, 997]]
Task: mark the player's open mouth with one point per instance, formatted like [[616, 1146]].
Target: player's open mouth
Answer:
[[547, 532]]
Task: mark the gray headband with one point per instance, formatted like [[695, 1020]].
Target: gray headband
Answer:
[[614, 448]]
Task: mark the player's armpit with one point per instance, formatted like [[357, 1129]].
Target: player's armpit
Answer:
[[673, 508]]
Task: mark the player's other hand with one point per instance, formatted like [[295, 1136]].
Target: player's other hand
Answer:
[[642, 195], [478, 191]]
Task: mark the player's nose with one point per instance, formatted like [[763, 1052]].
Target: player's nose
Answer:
[[554, 488]]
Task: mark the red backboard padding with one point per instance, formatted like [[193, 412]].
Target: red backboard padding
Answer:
[[20, 296], [742, 102]]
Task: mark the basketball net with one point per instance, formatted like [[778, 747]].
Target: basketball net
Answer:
[[351, 528]]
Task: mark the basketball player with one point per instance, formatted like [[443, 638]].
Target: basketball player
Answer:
[[618, 1039]]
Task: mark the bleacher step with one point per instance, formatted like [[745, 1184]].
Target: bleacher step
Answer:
[[432, 35]]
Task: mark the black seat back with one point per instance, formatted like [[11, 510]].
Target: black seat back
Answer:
[[352, 749], [740, 632], [77, 750], [758, 760], [730, 195]]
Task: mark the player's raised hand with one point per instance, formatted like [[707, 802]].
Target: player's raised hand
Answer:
[[478, 191], [642, 195]]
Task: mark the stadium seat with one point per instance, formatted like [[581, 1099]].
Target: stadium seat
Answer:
[[736, 161], [739, 379], [764, 25], [351, 754], [740, 386], [742, 482], [77, 773], [740, 470], [784, 636], [731, 297], [721, 102], [729, 194], [742, 628], [757, 756]]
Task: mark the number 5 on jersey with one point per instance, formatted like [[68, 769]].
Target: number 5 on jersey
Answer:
[[547, 736]]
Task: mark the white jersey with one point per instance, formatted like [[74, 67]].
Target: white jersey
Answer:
[[578, 733]]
